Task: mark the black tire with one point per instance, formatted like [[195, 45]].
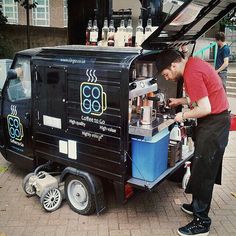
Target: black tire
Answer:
[[29, 190], [78, 195], [51, 199]]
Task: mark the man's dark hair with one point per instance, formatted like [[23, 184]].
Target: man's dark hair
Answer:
[[166, 57], [220, 36]]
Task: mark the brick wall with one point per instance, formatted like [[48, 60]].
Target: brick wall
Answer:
[[39, 36], [56, 13]]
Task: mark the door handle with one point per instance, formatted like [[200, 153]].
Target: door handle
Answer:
[[27, 118]]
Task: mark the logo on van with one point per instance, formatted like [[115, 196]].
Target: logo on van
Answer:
[[15, 128], [92, 98]]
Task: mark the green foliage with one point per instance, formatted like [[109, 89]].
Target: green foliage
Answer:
[[229, 19], [26, 4], [6, 47], [3, 19]]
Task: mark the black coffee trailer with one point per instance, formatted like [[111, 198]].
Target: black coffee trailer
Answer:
[[70, 110]]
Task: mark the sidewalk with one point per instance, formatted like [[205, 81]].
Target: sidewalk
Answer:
[[231, 148], [147, 214]]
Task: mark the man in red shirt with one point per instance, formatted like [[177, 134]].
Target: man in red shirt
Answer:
[[205, 91]]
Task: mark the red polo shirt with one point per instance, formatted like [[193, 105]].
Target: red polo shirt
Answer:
[[201, 80]]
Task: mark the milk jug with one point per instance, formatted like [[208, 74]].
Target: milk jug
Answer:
[[175, 133]]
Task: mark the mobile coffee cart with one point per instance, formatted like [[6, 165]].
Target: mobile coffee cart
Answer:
[[70, 111]]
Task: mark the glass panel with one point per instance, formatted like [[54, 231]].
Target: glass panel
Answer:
[[41, 22], [65, 14], [10, 10], [40, 14], [8, 2], [40, 9], [10, 15], [41, 2]]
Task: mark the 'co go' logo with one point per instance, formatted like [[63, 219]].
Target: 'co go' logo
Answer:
[[15, 128], [92, 98]]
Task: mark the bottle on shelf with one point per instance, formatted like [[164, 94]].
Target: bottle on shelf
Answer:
[[183, 131], [175, 133], [111, 34], [129, 34], [139, 33], [105, 33], [120, 35], [94, 34], [88, 30], [148, 28], [190, 144]]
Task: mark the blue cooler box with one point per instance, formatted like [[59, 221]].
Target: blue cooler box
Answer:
[[150, 156]]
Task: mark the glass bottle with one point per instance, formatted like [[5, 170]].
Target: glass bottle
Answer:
[[148, 28], [120, 35], [105, 32], [88, 30], [94, 34], [139, 33], [129, 34], [111, 34]]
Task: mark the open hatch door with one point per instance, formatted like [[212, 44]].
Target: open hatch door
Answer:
[[190, 20]]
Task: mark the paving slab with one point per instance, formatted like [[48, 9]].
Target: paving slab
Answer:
[[156, 213]]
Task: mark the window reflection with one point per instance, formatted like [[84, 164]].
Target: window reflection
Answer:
[[20, 88]]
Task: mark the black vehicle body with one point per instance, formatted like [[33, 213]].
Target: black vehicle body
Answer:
[[77, 112]]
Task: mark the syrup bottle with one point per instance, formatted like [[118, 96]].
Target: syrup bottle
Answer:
[[105, 33], [111, 34], [88, 30], [129, 34], [139, 33], [94, 33], [148, 28]]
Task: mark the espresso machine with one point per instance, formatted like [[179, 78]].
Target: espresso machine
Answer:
[[149, 112]]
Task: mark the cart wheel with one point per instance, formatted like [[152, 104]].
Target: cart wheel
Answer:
[[51, 199], [29, 190], [79, 196]]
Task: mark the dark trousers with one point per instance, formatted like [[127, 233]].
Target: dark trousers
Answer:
[[211, 139]]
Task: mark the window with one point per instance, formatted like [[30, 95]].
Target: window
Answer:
[[40, 14], [10, 10], [20, 88], [65, 13]]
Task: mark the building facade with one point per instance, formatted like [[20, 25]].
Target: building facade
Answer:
[[48, 13]]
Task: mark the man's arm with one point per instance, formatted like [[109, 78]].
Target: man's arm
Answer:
[[202, 109], [224, 65], [174, 102]]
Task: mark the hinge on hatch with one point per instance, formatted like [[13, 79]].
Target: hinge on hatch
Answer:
[[141, 51], [36, 76]]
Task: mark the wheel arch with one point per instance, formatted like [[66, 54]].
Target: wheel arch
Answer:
[[94, 183]]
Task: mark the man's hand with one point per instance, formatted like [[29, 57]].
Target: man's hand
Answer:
[[224, 65], [179, 117], [174, 102], [19, 72]]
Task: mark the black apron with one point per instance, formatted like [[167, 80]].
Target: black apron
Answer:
[[211, 138]]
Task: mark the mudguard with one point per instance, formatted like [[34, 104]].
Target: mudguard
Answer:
[[93, 182]]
